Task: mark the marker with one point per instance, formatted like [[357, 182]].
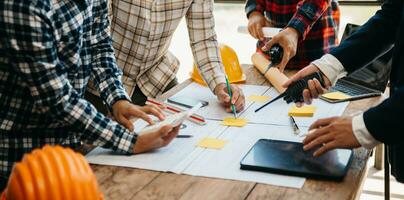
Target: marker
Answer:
[[233, 107], [294, 125]]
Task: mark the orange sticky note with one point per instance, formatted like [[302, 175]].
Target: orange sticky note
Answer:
[[230, 121], [211, 143], [336, 96], [304, 111], [258, 98]]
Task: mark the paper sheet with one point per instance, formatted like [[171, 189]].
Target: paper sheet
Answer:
[[214, 110], [277, 112], [173, 157], [226, 162]]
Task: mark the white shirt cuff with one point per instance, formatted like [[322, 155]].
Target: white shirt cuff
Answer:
[[362, 134], [331, 67]]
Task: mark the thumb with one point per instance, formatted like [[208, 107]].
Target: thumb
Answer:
[[269, 44], [163, 132], [284, 62], [299, 75], [223, 96]]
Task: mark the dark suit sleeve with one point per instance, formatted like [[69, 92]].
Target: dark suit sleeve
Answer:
[[373, 39], [385, 121]]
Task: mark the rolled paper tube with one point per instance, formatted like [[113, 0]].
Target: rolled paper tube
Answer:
[[274, 76]]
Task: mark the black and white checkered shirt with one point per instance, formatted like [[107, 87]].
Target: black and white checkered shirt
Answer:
[[48, 52]]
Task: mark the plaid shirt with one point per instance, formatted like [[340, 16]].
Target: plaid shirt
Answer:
[[142, 31], [316, 20], [49, 51]]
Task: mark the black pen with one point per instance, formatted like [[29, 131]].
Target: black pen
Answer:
[[294, 125], [184, 136]]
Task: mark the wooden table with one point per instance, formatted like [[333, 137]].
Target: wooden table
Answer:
[[127, 183]]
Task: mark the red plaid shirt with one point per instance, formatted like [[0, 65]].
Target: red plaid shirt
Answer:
[[316, 20]]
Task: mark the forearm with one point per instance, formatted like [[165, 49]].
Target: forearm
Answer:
[[105, 72], [66, 106], [307, 13], [373, 39], [204, 44], [107, 75], [35, 58]]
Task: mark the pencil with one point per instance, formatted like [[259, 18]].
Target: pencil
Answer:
[[233, 107], [184, 136]]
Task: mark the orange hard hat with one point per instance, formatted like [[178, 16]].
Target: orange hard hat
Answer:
[[52, 173], [231, 65]]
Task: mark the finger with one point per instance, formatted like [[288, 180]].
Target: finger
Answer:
[[299, 104], [299, 75], [240, 103], [322, 122], [313, 134], [125, 122], [171, 135], [254, 30], [223, 97], [164, 130], [251, 29], [325, 148], [259, 31], [312, 89], [140, 114], [269, 44], [323, 139], [235, 94], [284, 62], [307, 97], [319, 87], [153, 110]]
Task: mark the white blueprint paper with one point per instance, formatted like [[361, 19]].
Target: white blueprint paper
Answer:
[[215, 111], [226, 162], [277, 112]]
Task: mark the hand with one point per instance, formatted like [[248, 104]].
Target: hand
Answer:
[[223, 96], [330, 133], [157, 139], [256, 21], [314, 87], [123, 111], [287, 39]]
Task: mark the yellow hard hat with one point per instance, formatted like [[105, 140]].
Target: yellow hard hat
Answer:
[[231, 65], [52, 173]]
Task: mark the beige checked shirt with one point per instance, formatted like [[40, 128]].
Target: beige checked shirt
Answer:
[[142, 30]]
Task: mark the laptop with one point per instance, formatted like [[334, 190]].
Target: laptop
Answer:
[[368, 81]]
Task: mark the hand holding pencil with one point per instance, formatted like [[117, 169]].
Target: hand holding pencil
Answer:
[[229, 94]]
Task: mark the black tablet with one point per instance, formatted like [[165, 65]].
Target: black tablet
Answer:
[[288, 158]]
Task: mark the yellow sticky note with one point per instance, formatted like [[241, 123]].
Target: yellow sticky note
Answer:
[[336, 96], [211, 143], [258, 98], [230, 121], [304, 111]]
